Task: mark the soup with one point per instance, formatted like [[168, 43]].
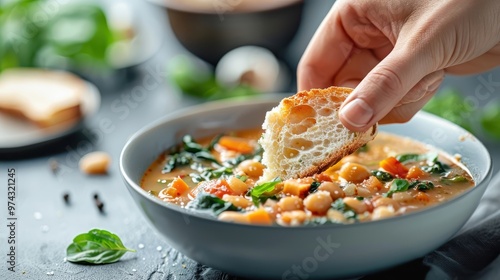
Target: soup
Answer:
[[219, 176]]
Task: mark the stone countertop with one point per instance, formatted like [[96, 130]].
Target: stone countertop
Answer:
[[46, 224]]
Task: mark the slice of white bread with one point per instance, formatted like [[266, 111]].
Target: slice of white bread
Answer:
[[304, 136], [44, 97]]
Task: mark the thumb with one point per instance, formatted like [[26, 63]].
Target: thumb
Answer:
[[383, 88]]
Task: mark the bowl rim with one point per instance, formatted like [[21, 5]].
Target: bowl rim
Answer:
[[176, 6], [232, 102]]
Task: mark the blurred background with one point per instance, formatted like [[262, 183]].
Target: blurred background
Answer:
[[173, 53]]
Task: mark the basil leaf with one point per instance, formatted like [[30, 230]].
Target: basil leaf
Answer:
[[455, 179], [211, 204], [398, 185], [382, 175], [259, 191], [429, 157], [96, 247]]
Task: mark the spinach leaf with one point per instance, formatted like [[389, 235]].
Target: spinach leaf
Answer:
[[208, 174], [422, 185], [382, 175], [339, 205], [259, 191], [429, 157], [257, 155], [397, 185], [436, 168], [314, 186], [96, 247], [177, 160], [454, 179], [211, 204]]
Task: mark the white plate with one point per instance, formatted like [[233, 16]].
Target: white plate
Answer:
[[18, 133]]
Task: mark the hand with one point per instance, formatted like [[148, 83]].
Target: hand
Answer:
[[396, 53]]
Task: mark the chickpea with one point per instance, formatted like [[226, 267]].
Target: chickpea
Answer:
[[333, 188], [336, 216], [234, 217], [237, 186], [357, 205], [290, 203], [354, 172], [251, 168], [386, 201], [293, 218], [95, 163], [237, 200], [318, 202], [382, 212]]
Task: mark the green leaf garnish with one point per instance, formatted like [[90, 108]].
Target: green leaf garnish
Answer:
[[429, 157], [398, 185], [382, 175], [211, 204], [96, 247], [259, 191], [436, 168], [208, 174], [339, 205], [422, 185], [314, 186], [455, 179]]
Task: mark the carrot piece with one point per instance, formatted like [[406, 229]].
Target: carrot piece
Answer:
[[237, 144], [393, 166], [180, 185], [259, 216], [422, 197], [297, 187], [416, 173]]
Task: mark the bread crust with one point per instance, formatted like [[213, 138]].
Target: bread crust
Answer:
[[290, 110]]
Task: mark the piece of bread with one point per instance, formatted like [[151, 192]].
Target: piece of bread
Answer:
[[304, 136], [44, 97]]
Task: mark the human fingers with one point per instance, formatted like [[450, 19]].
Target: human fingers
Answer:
[[425, 86], [383, 88], [326, 53]]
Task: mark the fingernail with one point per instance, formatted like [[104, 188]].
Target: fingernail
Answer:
[[357, 113]]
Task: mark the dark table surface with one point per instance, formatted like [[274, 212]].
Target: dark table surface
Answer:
[[46, 224]]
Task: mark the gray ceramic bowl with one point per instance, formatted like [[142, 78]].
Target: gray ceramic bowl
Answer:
[[297, 253], [211, 33]]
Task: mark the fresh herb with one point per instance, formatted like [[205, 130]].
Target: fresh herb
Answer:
[[259, 192], [243, 178], [452, 105], [429, 157], [189, 152], [76, 35], [256, 155], [177, 160], [421, 185], [314, 186], [360, 198], [363, 149], [196, 78], [208, 174], [96, 247], [196, 149], [454, 179], [214, 141], [339, 205], [398, 185], [211, 204], [382, 175], [436, 167]]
